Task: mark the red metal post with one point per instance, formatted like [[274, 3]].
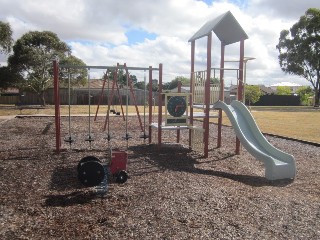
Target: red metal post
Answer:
[[160, 105], [207, 97], [57, 104], [120, 98], [150, 104], [101, 96], [240, 86], [221, 97], [133, 97], [193, 44], [110, 97]]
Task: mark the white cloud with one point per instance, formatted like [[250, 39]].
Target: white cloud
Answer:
[[96, 31]]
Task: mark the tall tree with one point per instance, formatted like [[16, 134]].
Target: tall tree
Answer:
[[122, 77], [299, 49], [6, 40], [174, 83], [8, 78], [305, 93], [32, 60], [78, 76]]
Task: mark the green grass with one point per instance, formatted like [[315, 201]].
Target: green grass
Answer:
[[296, 122]]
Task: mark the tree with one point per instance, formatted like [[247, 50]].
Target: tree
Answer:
[[252, 93], [122, 77], [214, 80], [78, 77], [305, 93], [8, 78], [174, 83], [299, 49], [140, 85], [6, 40], [283, 90], [32, 60], [155, 86]]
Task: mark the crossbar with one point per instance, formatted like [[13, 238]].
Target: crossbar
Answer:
[[108, 67], [217, 68]]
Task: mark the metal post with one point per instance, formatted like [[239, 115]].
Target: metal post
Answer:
[[150, 104], [57, 104]]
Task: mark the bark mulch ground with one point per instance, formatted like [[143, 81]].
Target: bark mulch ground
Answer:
[[171, 193]]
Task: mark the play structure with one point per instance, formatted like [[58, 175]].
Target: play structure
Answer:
[[177, 112]]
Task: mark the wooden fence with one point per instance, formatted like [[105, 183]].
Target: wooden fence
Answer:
[[80, 96]]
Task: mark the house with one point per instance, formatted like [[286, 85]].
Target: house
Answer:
[[265, 90]]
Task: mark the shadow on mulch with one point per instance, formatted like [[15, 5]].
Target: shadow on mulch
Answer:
[[65, 200], [64, 178], [163, 157]]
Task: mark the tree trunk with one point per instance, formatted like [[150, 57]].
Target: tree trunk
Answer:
[[42, 98], [316, 98]]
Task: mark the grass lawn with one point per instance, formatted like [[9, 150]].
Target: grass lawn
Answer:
[[296, 122]]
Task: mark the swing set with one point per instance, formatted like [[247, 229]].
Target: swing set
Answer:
[[91, 170]]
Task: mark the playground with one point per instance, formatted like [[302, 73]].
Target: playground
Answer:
[[173, 171], [171, 193]]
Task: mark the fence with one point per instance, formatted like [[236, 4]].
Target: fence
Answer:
[[79, 96], [9, 99], [278, 100]]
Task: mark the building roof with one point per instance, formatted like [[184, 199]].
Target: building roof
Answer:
[[97, 83], [225, 26], [9, 91], [184, 89], [266, 90]]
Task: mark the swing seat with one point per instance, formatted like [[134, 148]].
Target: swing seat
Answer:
[[108, 137], [144, 136], [89, 139], [127, 137], [68, 140]]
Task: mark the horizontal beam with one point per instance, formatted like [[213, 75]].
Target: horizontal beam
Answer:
[[237, 69], [106, 67]]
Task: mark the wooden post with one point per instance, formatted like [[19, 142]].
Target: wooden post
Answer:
[[221, 97], [178, 131], [240, 86], [160, 105], [193, 43], [207, 97]]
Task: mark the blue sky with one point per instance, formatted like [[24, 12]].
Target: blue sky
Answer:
[[138, 36]]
